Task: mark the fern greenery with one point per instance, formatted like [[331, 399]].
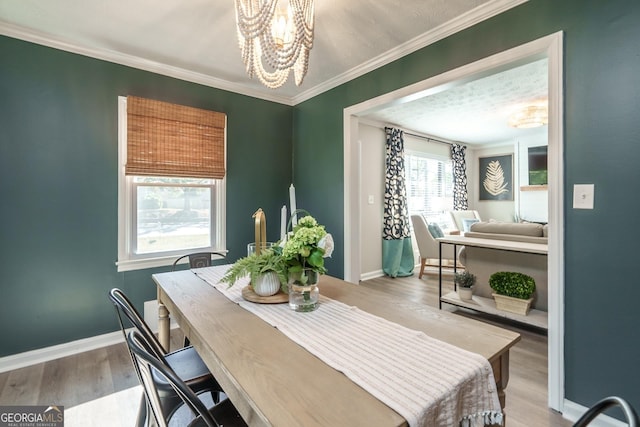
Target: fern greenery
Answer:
[[255, 265]]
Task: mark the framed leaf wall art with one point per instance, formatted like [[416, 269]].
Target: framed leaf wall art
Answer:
[[496, 177]]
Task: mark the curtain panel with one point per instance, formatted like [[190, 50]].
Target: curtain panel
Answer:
[[397, 251], [460, 195]]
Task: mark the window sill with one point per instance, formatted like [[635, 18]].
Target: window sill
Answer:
[[142, 264]]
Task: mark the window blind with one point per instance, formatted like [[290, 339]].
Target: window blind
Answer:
[[429, 187], [165, 139]]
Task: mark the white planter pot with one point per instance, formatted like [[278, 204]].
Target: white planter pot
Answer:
[[512, 305], [465, 294], [267, 284]]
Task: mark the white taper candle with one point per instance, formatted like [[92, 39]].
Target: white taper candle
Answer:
[[292, 203], [283, 223]]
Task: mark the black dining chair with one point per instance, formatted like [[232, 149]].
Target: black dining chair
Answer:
[[185, 362], [198, 259], [150, 367], [606, 403]]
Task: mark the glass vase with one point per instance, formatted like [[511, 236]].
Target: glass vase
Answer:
[[251, 247], [304, 294]]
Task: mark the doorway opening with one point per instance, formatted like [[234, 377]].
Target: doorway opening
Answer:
[[549, 47]]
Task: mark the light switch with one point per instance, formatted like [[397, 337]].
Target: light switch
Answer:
[[370, 199], [583, 196]]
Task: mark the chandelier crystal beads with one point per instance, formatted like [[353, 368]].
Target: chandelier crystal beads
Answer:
[[275, 36]]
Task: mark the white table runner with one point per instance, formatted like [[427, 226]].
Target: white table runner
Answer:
[[427, 381]]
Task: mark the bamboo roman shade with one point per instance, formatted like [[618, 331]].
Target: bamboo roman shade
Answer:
[[165, 139]]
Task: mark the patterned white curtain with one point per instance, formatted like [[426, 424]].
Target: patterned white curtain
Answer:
[[397, 251], [460, 195]]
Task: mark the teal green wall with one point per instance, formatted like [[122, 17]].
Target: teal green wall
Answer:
[[58, 181], [602, 146], [58, 186]]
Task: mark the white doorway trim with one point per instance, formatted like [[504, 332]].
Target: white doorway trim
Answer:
[[549, 46]]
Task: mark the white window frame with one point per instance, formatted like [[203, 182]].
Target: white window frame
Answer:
[[128, 260]]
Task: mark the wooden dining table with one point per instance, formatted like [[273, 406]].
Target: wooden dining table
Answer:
[[273, 381]]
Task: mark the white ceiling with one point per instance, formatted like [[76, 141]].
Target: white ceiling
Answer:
[[196, 40]]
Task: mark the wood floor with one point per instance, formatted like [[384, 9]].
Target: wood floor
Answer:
[[526, 404], [99, 388]]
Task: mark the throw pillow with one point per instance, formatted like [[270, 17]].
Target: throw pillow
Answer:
[[466, 224], [435, 230]]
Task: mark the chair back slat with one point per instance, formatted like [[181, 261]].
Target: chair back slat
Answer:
[[198, 259], [147, 364], [124, 307]]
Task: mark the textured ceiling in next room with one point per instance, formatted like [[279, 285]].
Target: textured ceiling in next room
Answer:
[[476, 112]]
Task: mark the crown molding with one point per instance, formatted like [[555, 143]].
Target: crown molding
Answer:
[[462, 22], [466, 20], [20, 33]]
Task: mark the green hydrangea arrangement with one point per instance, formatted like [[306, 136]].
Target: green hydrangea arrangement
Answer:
[[307, 246]]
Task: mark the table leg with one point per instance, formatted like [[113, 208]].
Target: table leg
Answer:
[[163, 324], [455, 265], [500, 368], [440, 275]]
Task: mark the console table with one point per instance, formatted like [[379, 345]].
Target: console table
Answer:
[[535, 317]]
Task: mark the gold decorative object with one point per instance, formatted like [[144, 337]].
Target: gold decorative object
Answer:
[[263, 264], [278, 298], [260, 243]]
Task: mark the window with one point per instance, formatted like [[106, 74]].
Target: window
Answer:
[[429, 187], [171, 185]]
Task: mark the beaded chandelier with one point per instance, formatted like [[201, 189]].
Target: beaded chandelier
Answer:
[[275, 36]]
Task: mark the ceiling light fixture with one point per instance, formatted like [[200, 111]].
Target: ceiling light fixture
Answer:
[[530, 117], [278, 34]]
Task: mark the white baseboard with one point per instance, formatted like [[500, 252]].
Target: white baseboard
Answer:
[[371, 275], [28, 358], [416, 271], [572, 411], [428, 270]]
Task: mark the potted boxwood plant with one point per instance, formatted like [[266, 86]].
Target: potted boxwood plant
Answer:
[[464, 282], [513, 291], [267, 271]]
